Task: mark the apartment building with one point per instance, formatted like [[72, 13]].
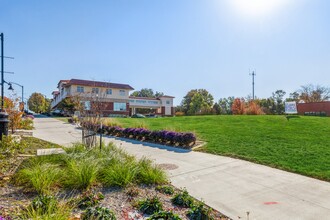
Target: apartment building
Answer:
[[114, 97]]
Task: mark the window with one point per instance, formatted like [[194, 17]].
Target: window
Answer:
[[168, 102], [109, 91], [80, 89], [95, 90], [119, 106], [122, 92]]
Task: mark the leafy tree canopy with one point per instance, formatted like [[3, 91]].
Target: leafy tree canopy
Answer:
[[197, 101], [145, 92], [38, 103]]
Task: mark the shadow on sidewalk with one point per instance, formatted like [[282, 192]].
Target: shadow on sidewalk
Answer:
[[148, 144]]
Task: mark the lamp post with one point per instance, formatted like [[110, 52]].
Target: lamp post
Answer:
[[11, 88], [3, 115]]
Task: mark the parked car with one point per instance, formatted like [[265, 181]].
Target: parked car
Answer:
[[138, 116], [151, 116]]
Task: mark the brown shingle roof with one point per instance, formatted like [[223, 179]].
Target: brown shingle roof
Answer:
[[99, 84]]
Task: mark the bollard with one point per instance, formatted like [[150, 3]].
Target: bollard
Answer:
[[3, 124]]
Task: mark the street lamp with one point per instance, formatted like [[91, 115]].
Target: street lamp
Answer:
[[11, 88]]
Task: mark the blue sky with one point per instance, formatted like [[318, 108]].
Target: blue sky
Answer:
[[168, 45]]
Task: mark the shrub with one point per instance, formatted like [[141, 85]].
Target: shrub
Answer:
[[238, 107], [26, 124], [164, 215], [253, 109], [10, 146], [90, 199], [199, 212], [81, 174], [165, 137], [149, 173], [98, 213], [168, 190], [150, 205], [179, 114], [183, 199], [40, 177]]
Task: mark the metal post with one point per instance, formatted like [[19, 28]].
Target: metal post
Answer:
[[101, 136], [2, 71]]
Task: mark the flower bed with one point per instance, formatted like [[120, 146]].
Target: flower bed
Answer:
[[177, 139]]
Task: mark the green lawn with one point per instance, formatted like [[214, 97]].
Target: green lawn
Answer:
[[300, 145]]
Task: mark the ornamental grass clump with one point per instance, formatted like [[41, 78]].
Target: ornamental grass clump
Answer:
[[81, 174], [148, 173], [41, 177], [119, 173]]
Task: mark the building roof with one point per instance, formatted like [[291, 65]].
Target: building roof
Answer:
[[82, 82], [166, 96], [144, 98], [55, 92]]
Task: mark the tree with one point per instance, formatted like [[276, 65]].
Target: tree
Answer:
[[38, 103], [147, 93], [197, 101], [238, 107], [225, 105], [216, 108], [314, 93], [278, 96]]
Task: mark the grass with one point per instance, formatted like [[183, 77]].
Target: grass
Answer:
[[300, 145], [32, 144], [81, 169]]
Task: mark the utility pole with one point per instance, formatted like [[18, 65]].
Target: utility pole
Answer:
[[253, 74], [3, 115]]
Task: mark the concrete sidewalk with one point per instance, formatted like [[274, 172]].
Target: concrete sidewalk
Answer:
[[229, 185]]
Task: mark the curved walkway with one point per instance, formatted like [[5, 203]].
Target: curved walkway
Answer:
[[229, 185]]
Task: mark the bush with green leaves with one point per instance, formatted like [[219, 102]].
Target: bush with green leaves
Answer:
[[199, 212], [183, 199], [44, 203], [150, 205], [10, 146], [168, 190], [98, 213], [164, 215], [90, 199]]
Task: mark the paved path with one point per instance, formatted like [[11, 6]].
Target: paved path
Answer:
[[229, 185]]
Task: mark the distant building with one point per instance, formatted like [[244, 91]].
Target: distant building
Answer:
[[314, 108], [114, 97]]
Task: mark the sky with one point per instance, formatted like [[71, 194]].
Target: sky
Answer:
[[171, 46]]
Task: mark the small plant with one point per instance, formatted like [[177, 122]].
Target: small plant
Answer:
[[199, 212], [168, 190], [90, 199], [150, 205], [47, 207], [98, 213], [10, 146], [183, 199], [44, 203], [164, 215]]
